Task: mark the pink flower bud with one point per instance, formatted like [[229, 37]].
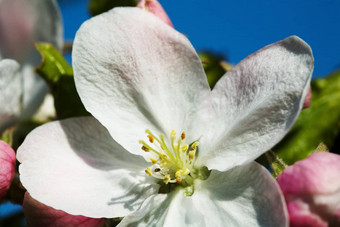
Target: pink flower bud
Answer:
[[7, 166], [38, 214], [306, 104], [154, 7], [312, 190]]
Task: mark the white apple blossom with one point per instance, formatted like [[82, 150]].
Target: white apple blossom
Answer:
[[23, 22], [163, 149]]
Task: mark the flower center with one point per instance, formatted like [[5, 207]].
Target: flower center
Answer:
[[173, 162]]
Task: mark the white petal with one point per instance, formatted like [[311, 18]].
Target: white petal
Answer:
[[74, 165], [133, 69], [244, 196], [23, 22], [10, 93], [257, 102], [164, 210]]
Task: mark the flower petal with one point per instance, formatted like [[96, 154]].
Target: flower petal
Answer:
[[7, 167], [154, 7], [24, 22], [162, 210], [11, 91], [132, 68], [74, 165], [21, 24], [257, 102], [38, 214], [315, 194], [244, 196]]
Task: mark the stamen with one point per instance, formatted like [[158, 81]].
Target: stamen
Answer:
[[153, 160], [185, 148], [151, 139], [194, 145], [144, 148], [173, 133], [183, 135], [166, 179], [192, 154], [173, 162], [148, 172]]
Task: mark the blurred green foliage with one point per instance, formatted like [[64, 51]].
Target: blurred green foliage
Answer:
[[100, 6], [319, 123], [214, 66], [59, 76]]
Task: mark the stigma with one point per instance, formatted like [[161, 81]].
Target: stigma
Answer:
[[172, 158]]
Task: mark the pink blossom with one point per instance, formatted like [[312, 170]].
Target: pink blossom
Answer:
[[312, 190], [38, 214], [306, 104], [7, 165], [154, 7]]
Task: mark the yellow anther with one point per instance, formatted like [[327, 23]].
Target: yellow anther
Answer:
[[173, 133], [153, 160], [183, 135], [144, 148], [178, 180], [166, 179], [192, 154], [182, 172], [148, 172], [194, 145], [151, 139], [185, 148], [162, 156]]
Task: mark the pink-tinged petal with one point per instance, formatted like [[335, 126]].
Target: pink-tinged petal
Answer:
[[7, 167], [154, 7], [10, 93], [40, 215], [312, 189], [256, 103], [306, 103], [74, 165], [133, 72], [300, 216], [23, 22]]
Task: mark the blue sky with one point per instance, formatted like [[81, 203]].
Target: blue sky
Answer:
[[238, 28]]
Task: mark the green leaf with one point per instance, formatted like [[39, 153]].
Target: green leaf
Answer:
[[214, 66], [53, 65], [7, 136], [59, 76], [100, 6], [319, 123], [276, 164]]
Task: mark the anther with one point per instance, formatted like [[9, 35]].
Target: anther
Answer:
[[185, 148], [151, 139], [191, 154], [194, 145], [144, 148], [183, 135], [153, 160], [173, 133], [166, 179], [178, 180], [148, 172]]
